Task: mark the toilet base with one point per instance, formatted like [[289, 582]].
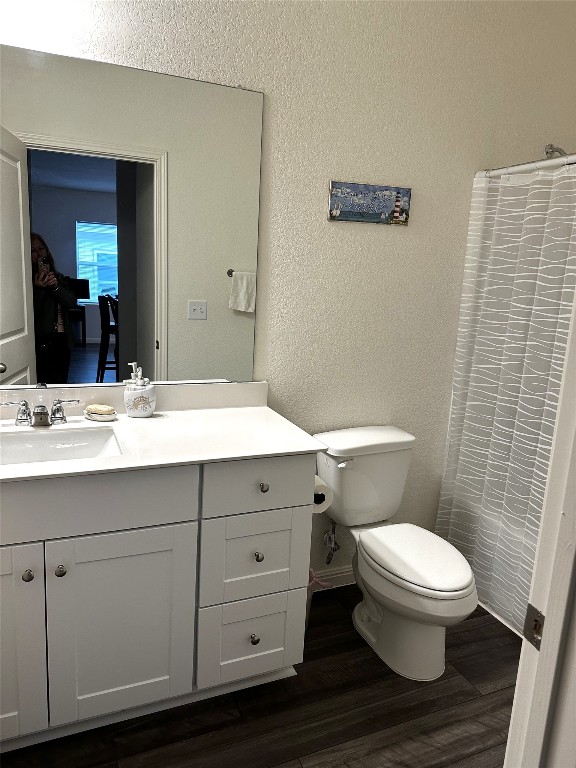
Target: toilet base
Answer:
[[410, 648]]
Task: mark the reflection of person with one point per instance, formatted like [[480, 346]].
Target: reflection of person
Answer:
[[52, 326]]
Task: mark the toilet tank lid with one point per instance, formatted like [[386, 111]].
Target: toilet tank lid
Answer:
[[359, 441]]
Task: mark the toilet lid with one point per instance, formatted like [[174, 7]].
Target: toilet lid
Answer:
[[417, 556]]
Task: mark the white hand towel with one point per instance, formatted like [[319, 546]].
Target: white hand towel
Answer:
[[243, 292]]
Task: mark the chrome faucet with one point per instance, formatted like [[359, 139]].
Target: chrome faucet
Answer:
[[57, 415], [23, 416], [40, 416]]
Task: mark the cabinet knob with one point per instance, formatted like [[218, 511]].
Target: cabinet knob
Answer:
[[254, 639], [258, 557], [60, 571], [28, 575], [264, 487]]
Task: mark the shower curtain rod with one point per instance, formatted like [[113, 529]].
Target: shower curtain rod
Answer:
[[553, 162]]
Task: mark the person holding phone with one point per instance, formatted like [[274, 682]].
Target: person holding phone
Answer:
[[52, 325]]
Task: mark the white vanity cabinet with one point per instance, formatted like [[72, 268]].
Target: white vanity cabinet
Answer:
[[107, 621], [254, 557], [23, 681], [128, 591]]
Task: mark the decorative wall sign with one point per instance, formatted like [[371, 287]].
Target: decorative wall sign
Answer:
[[369, 202]]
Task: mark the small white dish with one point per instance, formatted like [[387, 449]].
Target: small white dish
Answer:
[[100, 416]]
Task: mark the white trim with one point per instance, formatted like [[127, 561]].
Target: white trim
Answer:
[[499, 618], [158, 158], [562, 737], [161, 265], [537, 684], [335, 577]]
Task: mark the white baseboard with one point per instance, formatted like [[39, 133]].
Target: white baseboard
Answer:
[[506, 623], [335, 577]]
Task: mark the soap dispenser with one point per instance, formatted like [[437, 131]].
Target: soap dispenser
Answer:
[[139, 395]]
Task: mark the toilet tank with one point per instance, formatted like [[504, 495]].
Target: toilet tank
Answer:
[[366, 468]]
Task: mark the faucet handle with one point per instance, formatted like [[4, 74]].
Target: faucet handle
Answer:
[[57, 415], [23, 416]]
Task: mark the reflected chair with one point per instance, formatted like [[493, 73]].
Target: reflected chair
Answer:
[[108, 307]]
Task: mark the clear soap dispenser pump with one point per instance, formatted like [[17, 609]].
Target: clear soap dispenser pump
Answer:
[[139, 394]]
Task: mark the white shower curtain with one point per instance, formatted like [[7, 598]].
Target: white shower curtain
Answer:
[[517, 298]]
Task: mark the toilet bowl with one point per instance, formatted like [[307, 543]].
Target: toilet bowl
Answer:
[[414, 584]]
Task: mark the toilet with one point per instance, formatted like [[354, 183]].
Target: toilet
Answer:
[[414, 584]]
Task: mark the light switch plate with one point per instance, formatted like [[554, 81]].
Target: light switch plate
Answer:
[[197, 310]]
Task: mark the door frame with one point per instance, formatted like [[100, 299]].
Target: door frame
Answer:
[[537, 704], [159, 159]]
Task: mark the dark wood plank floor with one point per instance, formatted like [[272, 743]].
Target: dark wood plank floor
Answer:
[[344, 709], [84, 364]]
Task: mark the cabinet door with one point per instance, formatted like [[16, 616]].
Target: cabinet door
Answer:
[[23, 694], [120, 620], [249, 555], [250, 637]]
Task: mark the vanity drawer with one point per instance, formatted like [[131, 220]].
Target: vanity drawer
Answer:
[[251, 485], [254, 554], [250, 637]]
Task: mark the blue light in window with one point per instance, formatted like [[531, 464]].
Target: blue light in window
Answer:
[[97, 258]]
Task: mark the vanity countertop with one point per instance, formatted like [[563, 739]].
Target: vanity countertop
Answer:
[[171, 438]]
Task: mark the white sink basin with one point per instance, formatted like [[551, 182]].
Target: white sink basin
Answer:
[[47, 444]]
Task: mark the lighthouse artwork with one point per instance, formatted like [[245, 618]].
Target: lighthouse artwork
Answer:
[[369, 202]]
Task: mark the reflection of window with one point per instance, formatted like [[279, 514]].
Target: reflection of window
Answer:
[[97, 258]]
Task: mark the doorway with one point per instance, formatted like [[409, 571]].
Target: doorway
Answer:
[[88, 208]]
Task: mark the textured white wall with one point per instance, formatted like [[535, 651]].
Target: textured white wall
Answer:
[[356, 322]]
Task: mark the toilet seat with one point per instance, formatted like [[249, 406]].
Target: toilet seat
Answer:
[[416, 560]]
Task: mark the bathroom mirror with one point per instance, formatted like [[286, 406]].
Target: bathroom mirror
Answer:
[[194, 151]]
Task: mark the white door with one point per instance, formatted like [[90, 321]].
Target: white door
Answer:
[[23, 691], [16, 310], [543, 716], [120, 620]]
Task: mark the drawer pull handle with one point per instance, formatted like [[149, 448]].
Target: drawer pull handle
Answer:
[[60, 571], [259, 556], [28, 575], [264, 487], [254, 639]]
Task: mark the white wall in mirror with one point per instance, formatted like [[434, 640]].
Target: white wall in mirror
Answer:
[[210, 139]]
